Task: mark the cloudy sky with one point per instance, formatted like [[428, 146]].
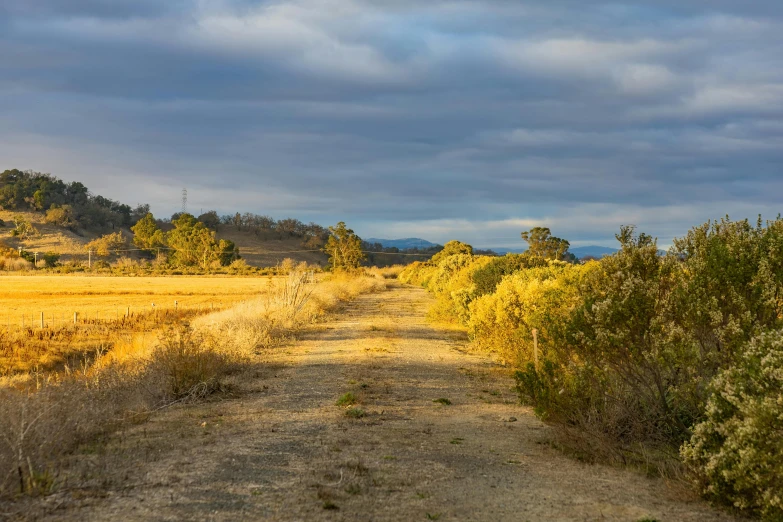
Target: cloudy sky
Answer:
[[438, 119]]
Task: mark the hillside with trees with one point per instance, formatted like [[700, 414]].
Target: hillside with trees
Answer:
[[42, 214]]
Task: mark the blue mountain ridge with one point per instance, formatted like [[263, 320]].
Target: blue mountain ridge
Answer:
[[580, 252], [415, 242], [410, 242]]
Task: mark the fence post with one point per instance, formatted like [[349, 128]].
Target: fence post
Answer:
[[75, 317], [535, 347], [42, 321], [127, 312]]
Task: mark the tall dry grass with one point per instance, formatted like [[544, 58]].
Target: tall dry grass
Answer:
[[387, 272], [14, 264], [46, 419]]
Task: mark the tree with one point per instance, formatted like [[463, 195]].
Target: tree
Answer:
[[24, 229], [108, 244], [228, 252], [344, 248], [452, 248], [147, 235], [193, 243], [138, 213], [210, 219], [60, 216], [544, 245]]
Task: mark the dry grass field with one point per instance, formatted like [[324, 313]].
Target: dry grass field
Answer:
[[101, 305], [106, 298], [64, 386]]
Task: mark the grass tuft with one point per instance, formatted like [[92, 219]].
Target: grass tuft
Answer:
[[355, 413], [346, 399]]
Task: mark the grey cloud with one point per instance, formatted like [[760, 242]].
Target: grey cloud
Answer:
[[480, 115]]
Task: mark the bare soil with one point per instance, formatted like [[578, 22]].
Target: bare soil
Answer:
[[283, 450]]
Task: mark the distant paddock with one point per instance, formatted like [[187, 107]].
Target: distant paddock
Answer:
[[23, 298]]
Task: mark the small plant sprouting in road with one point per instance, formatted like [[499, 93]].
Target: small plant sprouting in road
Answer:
[[346, 399], [433, 516], [329, 505], [443, 401], [457, 440], [355, 413], [389, 457], [353, 489]]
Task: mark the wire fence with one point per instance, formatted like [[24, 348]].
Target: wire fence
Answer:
[[102, 317]]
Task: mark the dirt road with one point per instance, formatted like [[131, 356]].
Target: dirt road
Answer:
[[283, 449]]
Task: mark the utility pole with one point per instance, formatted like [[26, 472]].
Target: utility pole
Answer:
[[89, 258], [36, 260]]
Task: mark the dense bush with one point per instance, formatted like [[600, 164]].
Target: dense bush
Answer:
[[488, 277], [540, 298], [50, 259], [630, 344], [737, 451]]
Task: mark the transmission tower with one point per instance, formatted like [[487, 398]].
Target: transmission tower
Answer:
[[184, 200]]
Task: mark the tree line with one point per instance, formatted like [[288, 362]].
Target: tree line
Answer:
[[70, 205]]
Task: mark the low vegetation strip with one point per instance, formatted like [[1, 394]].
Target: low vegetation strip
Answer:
[[642, 358], [45, 419]]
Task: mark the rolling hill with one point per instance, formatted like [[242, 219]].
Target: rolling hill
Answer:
[[403, 244], [255, 250]]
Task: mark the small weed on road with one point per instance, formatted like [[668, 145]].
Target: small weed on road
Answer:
[[346, 399], [355, 413]]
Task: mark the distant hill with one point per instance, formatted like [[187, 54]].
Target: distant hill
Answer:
[[255, 249], [504, 251], [402, 244], [592, 250], [580, 252]]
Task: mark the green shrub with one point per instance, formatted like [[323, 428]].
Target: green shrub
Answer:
[[488, 277], [51, 259], [346, 399], [737, 452]]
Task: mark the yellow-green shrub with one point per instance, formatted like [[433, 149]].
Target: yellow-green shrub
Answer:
[[541, 298]]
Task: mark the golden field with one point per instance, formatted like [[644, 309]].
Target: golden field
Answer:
[[101, 304], [23, 298]]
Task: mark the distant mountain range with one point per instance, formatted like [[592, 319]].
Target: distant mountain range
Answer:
[[580, 252], [416, 242], [592, 250], [402, 244]]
